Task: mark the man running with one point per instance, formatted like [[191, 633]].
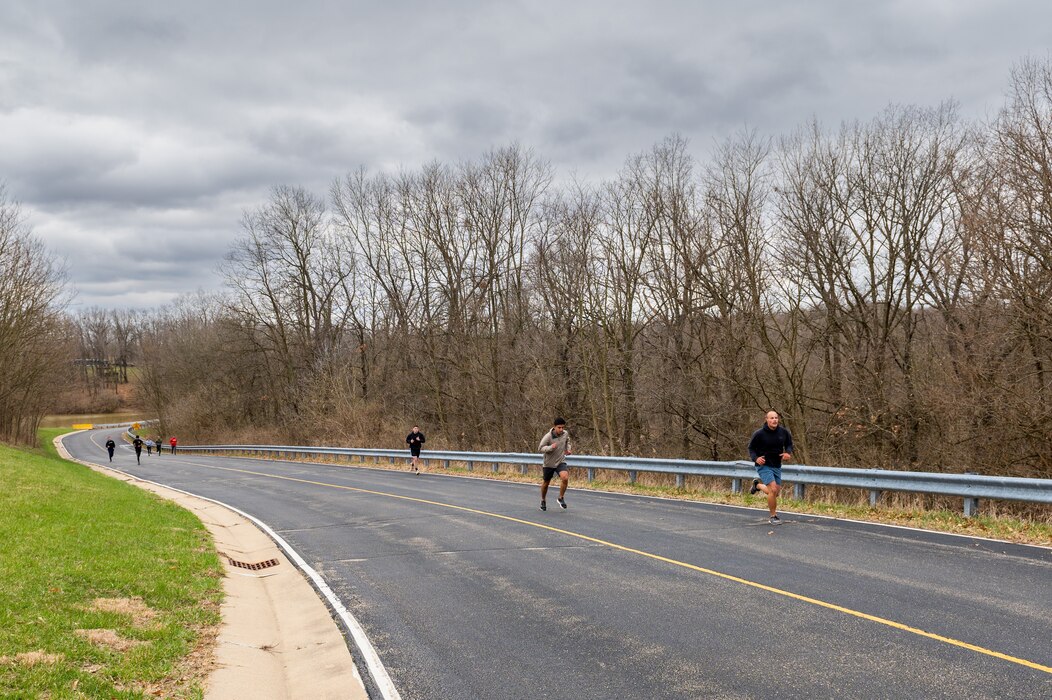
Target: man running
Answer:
[[172, 442], [555, 445], [110, 446], [415, 439], [769, 447], [137, 444]]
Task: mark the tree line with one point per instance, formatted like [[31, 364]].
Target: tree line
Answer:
[[886, 285]]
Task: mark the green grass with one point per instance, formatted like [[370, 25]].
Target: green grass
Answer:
[[72, 536]]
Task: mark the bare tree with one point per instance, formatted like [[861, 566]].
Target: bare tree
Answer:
[[287, 274], [33, 353]]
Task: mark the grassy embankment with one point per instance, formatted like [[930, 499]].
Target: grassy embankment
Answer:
[[106, 590]]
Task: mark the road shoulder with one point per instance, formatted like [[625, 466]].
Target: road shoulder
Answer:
[[277, 638]]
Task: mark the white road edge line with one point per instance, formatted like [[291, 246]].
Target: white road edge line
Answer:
[[361, 639], [372, 659]]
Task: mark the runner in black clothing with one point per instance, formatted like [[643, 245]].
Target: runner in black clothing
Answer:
[[769, 447], [415, 439], [137, 443], [110, 447]]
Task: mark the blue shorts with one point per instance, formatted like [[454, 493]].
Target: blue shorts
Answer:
[[769, 474]]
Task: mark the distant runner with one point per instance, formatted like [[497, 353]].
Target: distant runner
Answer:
[[172, 442], [110, 447], [555, 445], [137, 443], [769, 447], [415, 439]]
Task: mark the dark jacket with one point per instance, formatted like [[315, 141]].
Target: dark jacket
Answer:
[[415, 440], [138, 444], [770, 444]]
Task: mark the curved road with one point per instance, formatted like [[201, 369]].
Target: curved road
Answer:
[[468, 591]]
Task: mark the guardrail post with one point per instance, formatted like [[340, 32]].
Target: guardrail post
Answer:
[[971, 505], [736, 485], [522, 469], [471, 466], [631, 476], [496, 467], [681, 481], [591, 474], [798, 491], [447, 464], [874, 498]]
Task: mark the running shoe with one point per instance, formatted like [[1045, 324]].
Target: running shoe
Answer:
[[775, 520], [755, 486], [562, 503], [544, 506]]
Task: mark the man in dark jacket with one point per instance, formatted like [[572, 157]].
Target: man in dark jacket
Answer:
[[415, 439], [769, 447], [137, 443], [110, 447]]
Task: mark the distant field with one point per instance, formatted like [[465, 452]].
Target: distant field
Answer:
[[69, 420], [107, 591]]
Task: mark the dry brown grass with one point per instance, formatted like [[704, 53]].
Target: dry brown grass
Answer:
[[140, 613], [1024, 523], [31, 658], [108, 638]]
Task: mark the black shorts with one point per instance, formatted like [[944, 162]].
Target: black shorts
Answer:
[[415, 451], [549, 472]]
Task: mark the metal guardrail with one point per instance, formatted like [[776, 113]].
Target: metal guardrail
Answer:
[[970, 487], [107, 426]]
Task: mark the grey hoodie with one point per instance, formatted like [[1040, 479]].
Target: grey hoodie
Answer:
[[554, 448]]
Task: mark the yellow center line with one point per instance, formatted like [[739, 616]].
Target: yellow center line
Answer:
[[658, 557]]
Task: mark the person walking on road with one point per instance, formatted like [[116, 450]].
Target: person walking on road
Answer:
[[555, 445], [415, 439], [137, 443], [160, 444], [171, 443], [110, 446], [149, 447], [771, 445]]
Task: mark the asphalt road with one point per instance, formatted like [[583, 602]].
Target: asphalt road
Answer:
[[467, 590]]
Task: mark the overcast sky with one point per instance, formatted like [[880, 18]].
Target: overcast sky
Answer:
[[135, 133]]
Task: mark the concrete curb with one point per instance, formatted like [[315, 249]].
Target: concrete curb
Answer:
[[277, 638]]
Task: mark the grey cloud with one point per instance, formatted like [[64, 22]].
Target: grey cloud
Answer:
[[154, 125], [101, 38]]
